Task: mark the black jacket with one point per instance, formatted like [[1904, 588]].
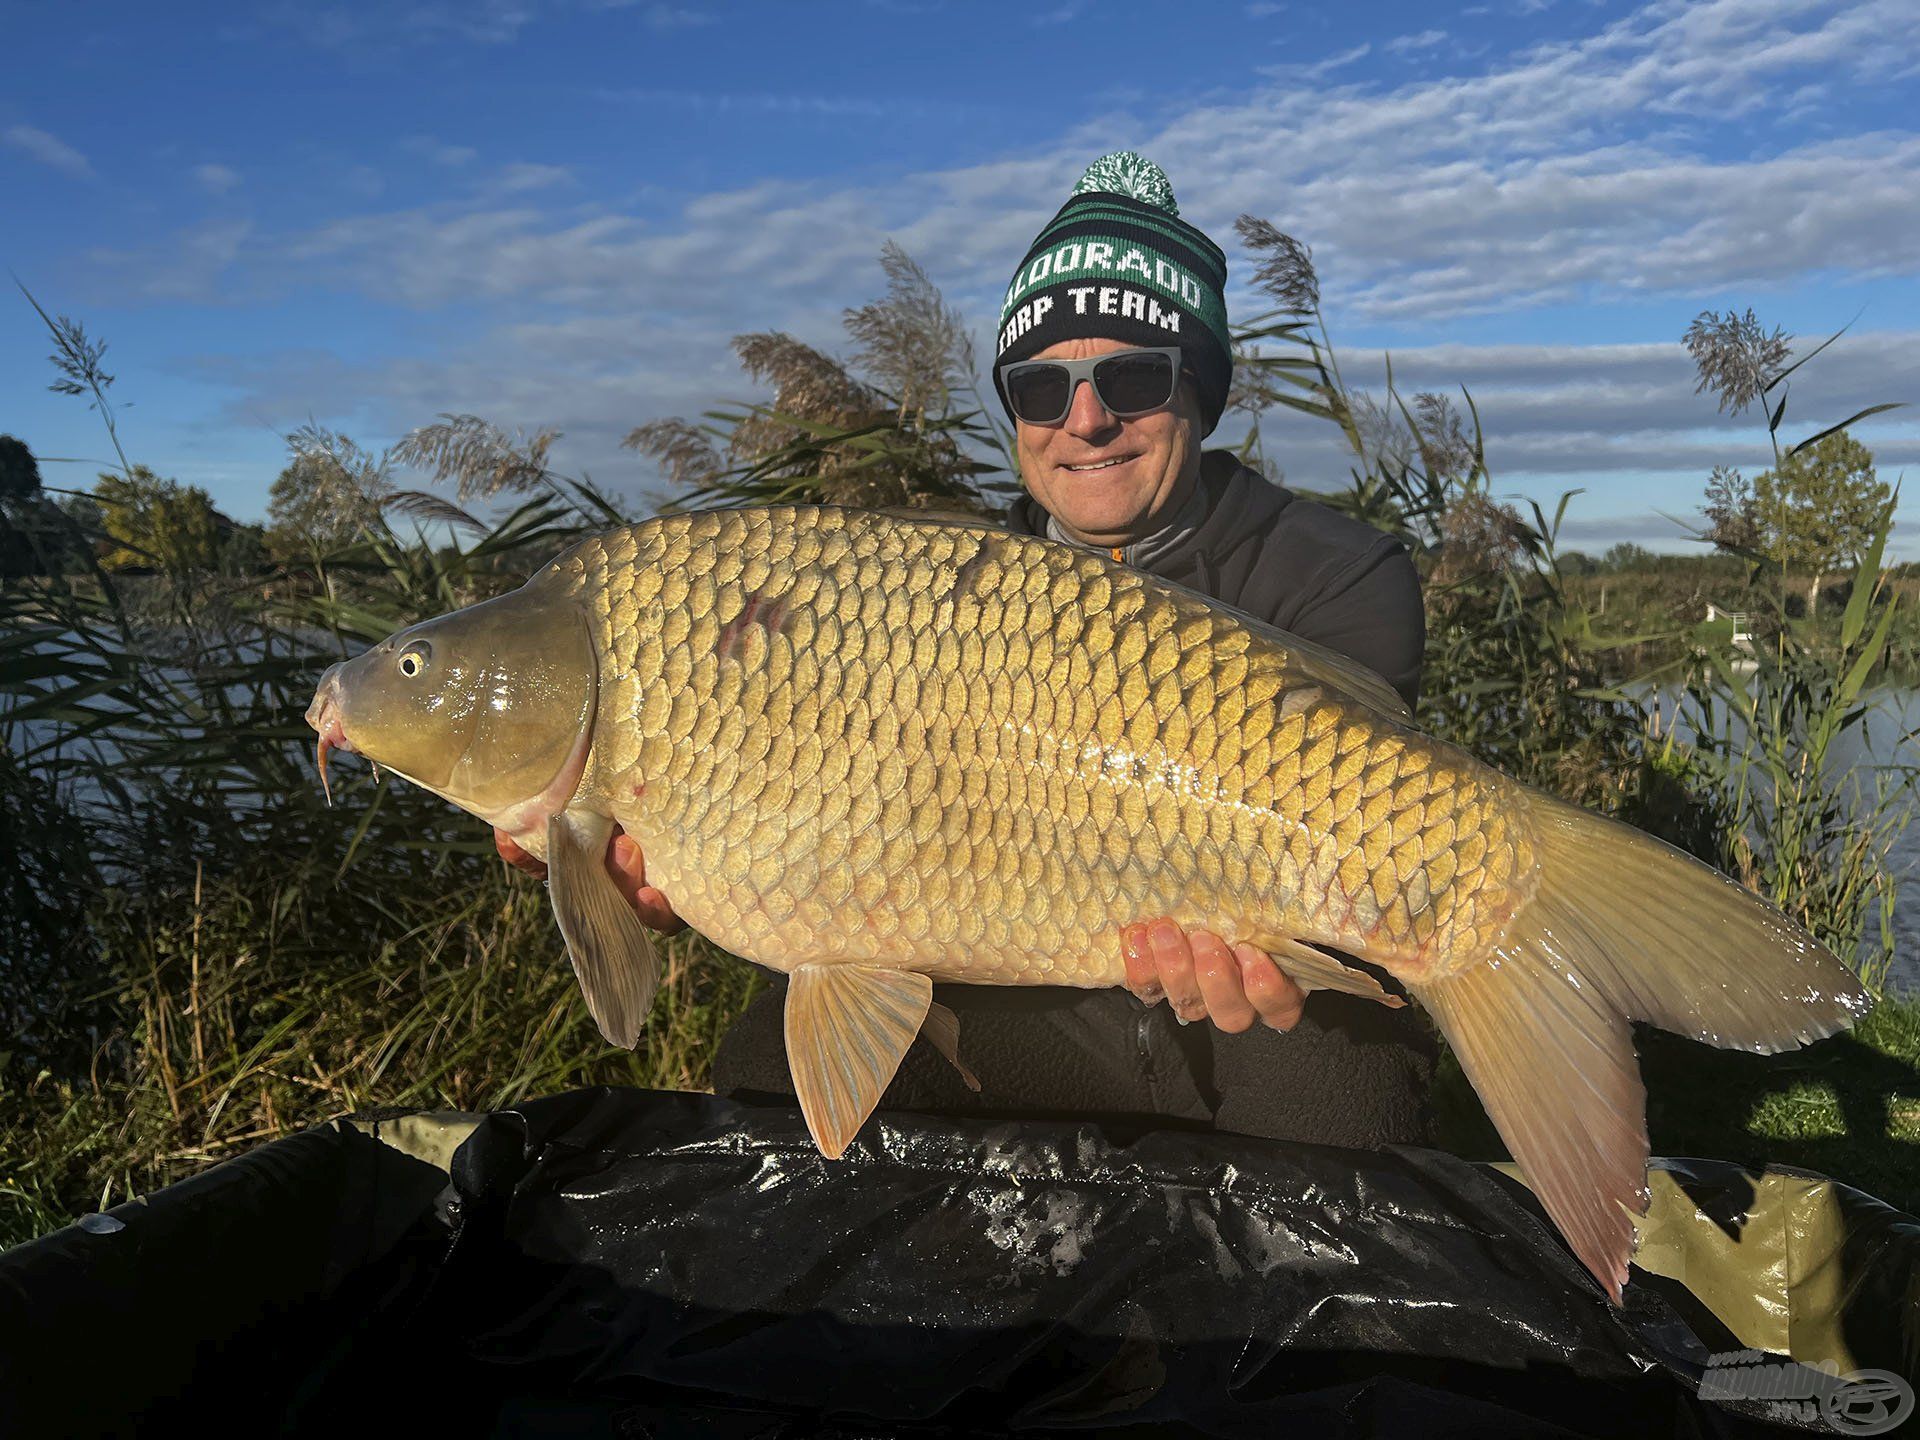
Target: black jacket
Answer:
[[1351, 1072]]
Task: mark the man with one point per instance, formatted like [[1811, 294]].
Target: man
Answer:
[[1114, 362]]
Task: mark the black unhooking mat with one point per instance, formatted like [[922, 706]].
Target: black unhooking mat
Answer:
[[635, 1263]]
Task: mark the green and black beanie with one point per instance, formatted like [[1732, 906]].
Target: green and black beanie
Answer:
[[1118, 263]]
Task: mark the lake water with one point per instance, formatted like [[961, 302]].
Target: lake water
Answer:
[[1897, 715]]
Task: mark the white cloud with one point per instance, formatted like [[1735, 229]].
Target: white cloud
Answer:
[[1407, 44], [438, 151], [657, 15], [827, 107], [677, 17], [1306, 70], [477, 22], [197, 267], [425, 22], [1621, 422], [215, 179], [525, 176], [1605, 531], [47, 149], [1059, 15]]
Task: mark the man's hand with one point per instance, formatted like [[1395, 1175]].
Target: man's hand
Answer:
[[624, 863], [1203, 978]]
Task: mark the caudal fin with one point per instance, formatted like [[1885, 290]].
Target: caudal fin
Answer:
[[1622, 927]]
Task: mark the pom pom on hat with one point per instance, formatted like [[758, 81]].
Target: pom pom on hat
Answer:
[[1135, 176]]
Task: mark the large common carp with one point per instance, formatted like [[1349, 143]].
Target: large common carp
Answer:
[[875, 752]]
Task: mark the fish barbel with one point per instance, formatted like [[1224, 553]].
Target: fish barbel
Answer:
[[875, 752]]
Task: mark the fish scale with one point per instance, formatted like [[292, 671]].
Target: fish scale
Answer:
[[1088, 788]]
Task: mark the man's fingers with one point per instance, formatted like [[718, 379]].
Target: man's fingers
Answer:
[[1142, 978], [655, 911], [1173, 959], [1271, 992], [1218, 974], [625, 864], [628, 867], [511, 852]]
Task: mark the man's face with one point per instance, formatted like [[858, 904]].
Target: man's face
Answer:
[[1159, 455]]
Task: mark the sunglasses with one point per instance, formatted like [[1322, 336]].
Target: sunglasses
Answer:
[[1126, 382]]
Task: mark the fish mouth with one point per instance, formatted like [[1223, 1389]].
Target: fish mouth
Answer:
[[324, 716]]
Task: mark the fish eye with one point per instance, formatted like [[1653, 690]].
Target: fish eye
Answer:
[[414, 659]]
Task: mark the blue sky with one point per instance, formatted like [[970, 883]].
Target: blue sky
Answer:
[[555, 212]]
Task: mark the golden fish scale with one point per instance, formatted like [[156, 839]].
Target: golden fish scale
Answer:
[[845, 736]]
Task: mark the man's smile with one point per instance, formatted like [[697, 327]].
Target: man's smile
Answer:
[[1091, 465]]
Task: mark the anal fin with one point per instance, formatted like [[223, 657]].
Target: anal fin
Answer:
[[848, 1027], [612, 954], [942, 1029], [1553, 1062]]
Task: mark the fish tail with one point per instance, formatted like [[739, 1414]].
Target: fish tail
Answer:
[[1621, 927]]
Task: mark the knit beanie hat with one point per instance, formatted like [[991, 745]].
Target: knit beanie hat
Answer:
[[1118, 263]]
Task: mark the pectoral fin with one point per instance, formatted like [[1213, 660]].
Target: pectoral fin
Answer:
[[611, 951], [1313, 969], [847, 1028]]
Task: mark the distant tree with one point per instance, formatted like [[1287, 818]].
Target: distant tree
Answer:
[[158, 524], [20, 499], [35, 539], [63, 534], [83, 510], [19, 471], [327, 493], [1578, 562], [1628, 556], [245, 551], [1819, 510]]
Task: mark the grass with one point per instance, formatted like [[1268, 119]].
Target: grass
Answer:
[[239, 1031]]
